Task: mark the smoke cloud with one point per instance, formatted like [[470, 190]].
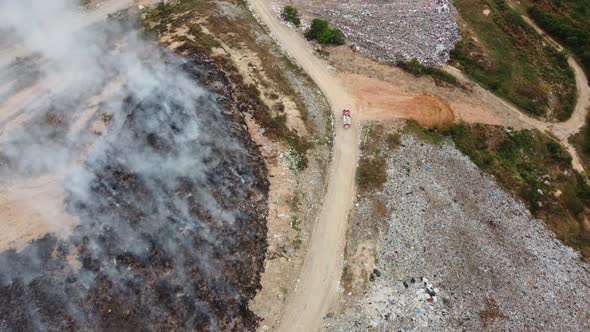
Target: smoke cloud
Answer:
[[167, 187]]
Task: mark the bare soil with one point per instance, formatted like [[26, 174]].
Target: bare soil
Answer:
[[30, 209]]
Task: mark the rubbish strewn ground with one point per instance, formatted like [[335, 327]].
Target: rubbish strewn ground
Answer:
[[389, 30], [455, 252]]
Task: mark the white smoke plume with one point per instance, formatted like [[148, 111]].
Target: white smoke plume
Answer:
[[167, 193]]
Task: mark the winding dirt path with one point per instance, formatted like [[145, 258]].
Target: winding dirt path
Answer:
[[561, 130], [319, 283], [572, 126]]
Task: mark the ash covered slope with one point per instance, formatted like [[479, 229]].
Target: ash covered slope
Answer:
[[171, 198]]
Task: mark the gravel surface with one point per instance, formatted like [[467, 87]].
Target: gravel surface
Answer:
[[462, 254], [389, 30]]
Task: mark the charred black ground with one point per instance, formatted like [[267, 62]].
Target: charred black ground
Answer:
[[173, 221]]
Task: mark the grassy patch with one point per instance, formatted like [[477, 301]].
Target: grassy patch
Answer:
[[569, 23], [297, 243], [417, 69], [505, 55], [371, 174], [428, 135], [165, 7], [295, 223], [297, 148], [535, 168], [201, 38]]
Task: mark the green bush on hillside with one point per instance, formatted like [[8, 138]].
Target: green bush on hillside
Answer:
[[575, 37], [291, 14], [417, 69], [321, 31]]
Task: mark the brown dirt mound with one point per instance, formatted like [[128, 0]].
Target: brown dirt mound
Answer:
[[379, 100]]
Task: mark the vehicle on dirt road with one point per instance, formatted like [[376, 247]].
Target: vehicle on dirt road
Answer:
[[346, 120]]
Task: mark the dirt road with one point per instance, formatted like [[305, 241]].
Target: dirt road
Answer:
[[561, 130], [572, 126], [319, 283]]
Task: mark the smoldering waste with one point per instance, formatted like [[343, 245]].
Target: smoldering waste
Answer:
[[172, 205]]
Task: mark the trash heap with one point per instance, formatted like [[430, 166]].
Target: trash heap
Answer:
[[390, 30], [461, 254]]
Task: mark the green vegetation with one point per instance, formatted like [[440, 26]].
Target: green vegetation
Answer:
[[291, 14], [321, 31], [581, 142], [275, 127], [568, 21], [535, 168], [417, 69], [507, 56]]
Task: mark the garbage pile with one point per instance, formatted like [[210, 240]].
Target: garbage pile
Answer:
[[460, 253], [391, 30]]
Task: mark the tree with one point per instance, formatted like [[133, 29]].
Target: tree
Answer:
[[318, 28], [321, 31], [339, 37]]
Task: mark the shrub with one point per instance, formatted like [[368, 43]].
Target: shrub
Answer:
[[393, 141], [291, 14], [501, 5], [339, 37], [321, 31], [566, 31], [318, 27], [417, 69], [557, 154]]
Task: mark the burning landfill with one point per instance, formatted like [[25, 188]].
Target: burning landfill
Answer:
[[164, 194]]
